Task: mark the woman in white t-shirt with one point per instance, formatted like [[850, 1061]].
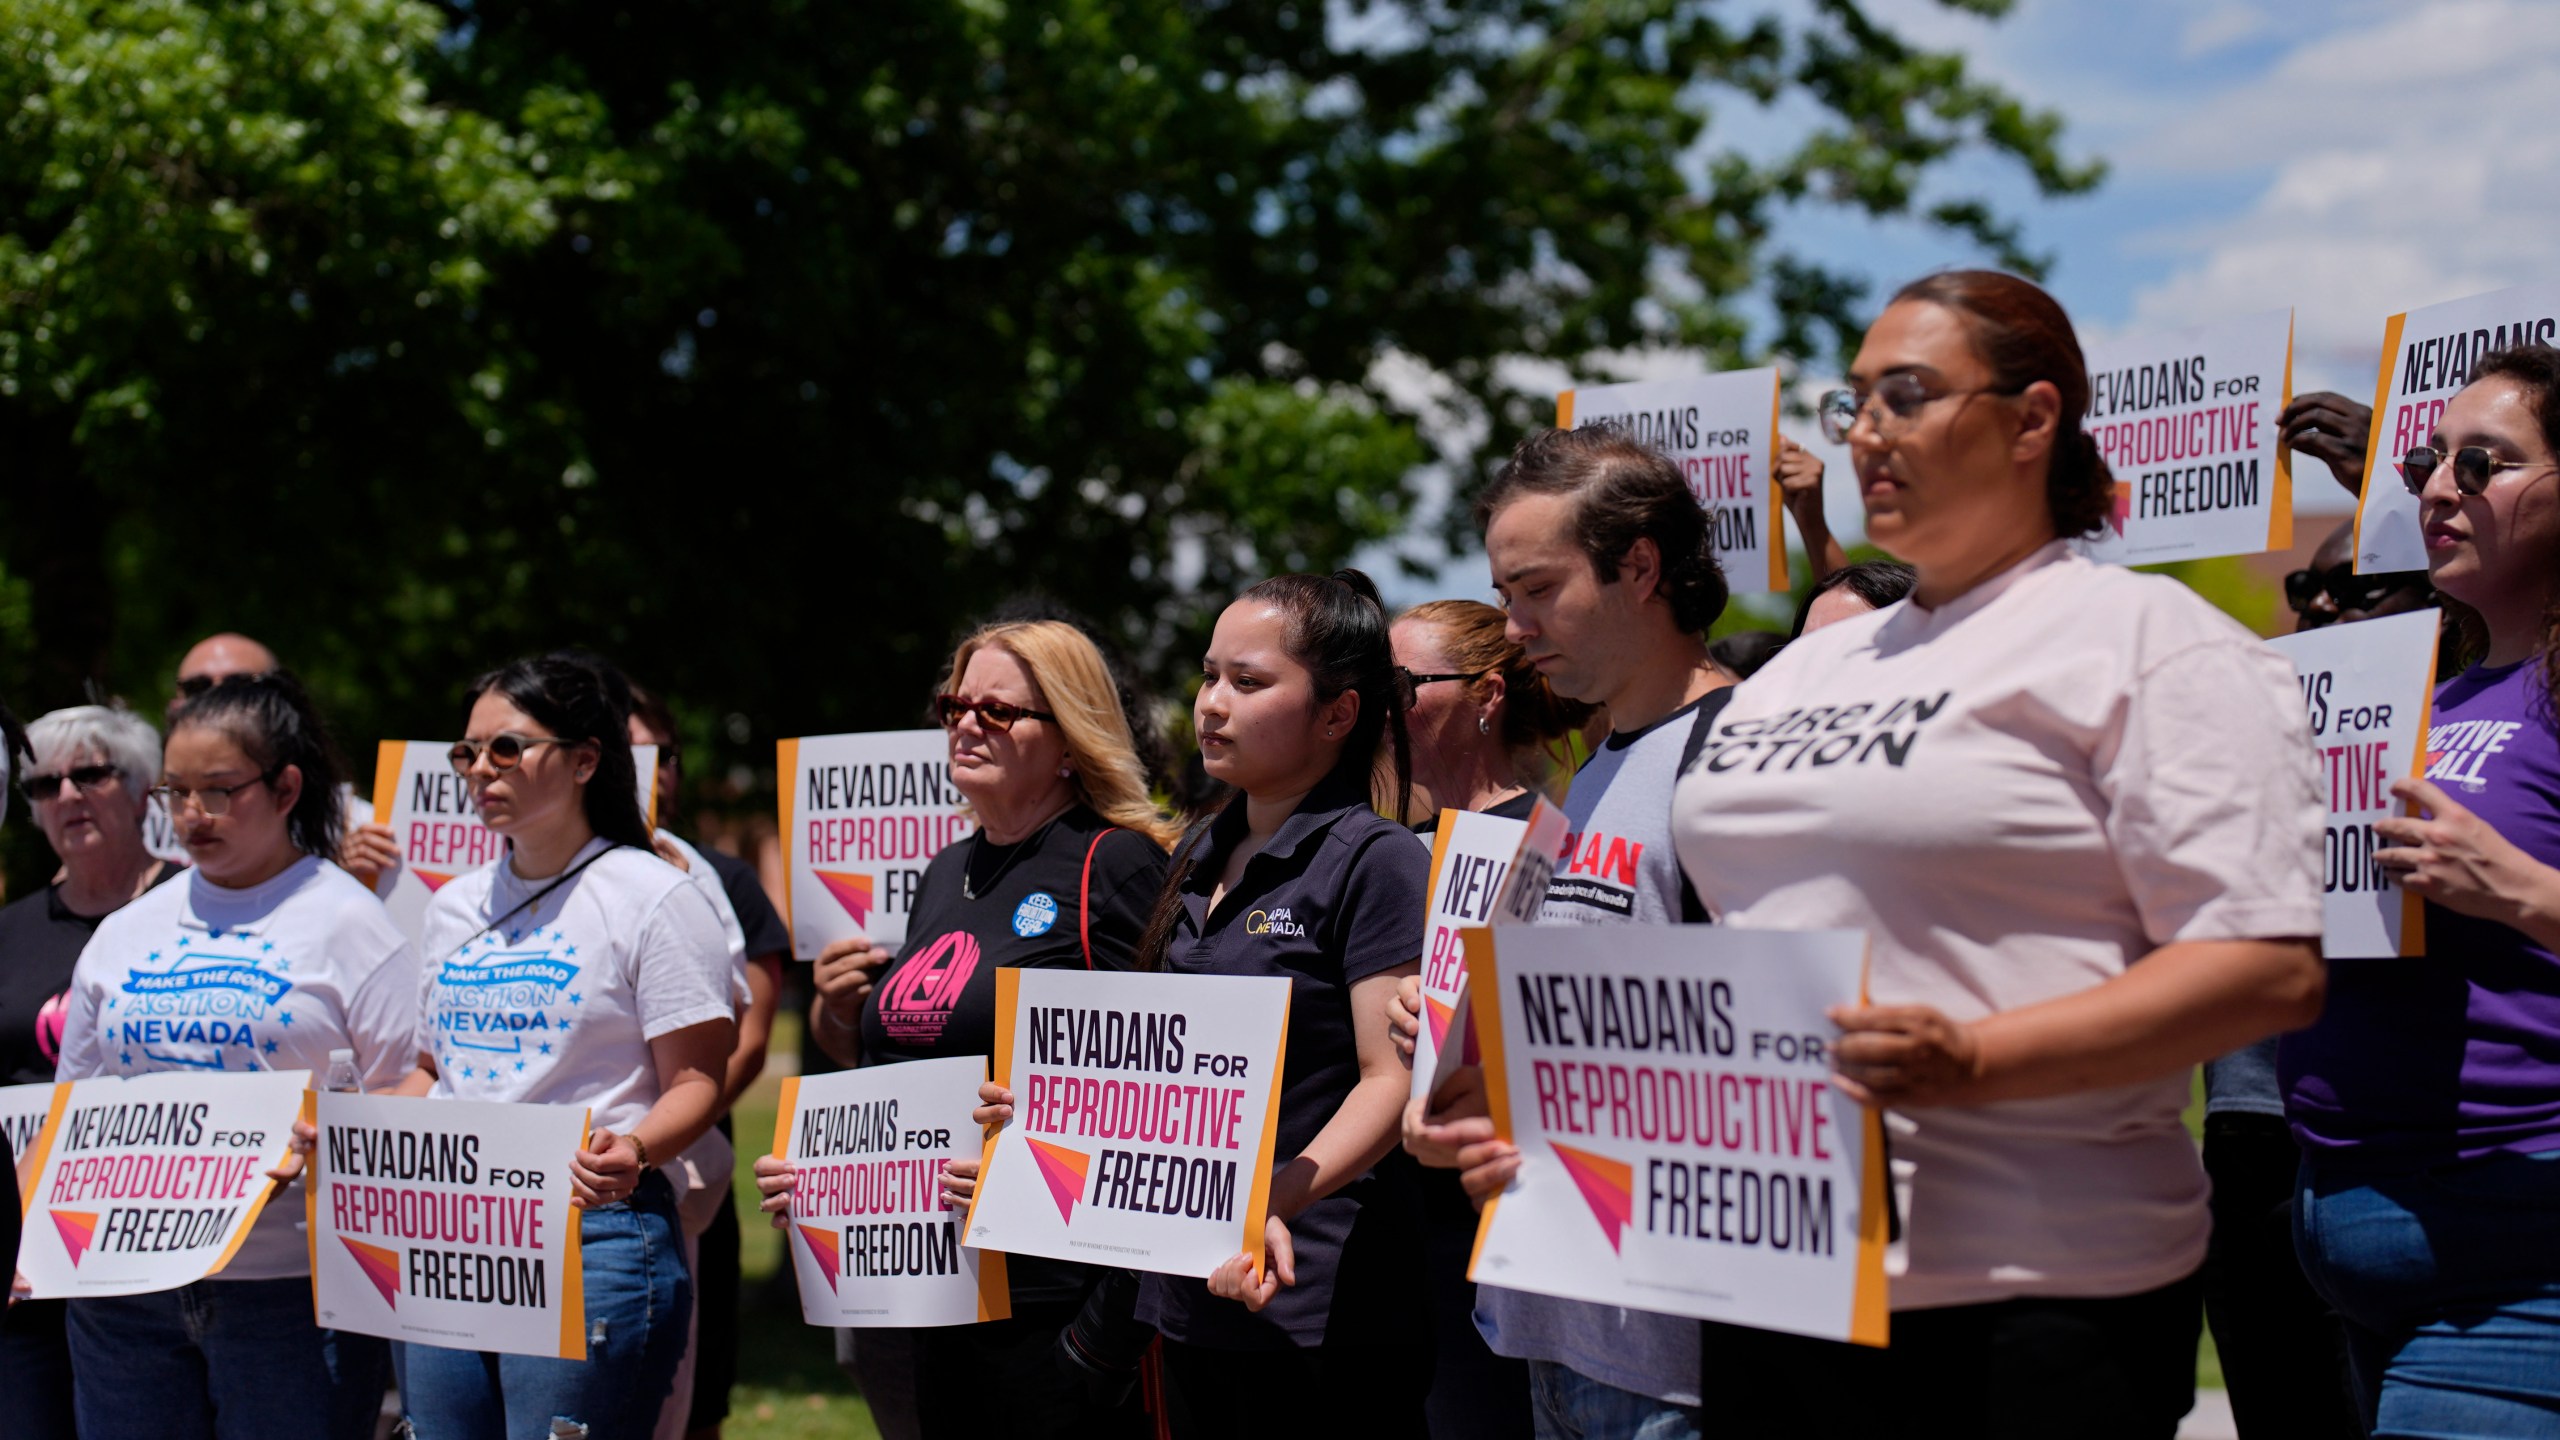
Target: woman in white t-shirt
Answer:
[[579, 969], [2074, 809], [264, 956]]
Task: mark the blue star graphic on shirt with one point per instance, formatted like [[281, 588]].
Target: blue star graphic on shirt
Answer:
[[286, 1017], [182, 942], [546, 1047], [155, 954], [124, 1057], [271, 1047], [519, 1067], [572, 950], [266, 946], [111, 1002], [577, 999], [564, 1027], [466, 1072]]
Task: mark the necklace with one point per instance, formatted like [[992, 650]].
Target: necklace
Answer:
[[977, 842]]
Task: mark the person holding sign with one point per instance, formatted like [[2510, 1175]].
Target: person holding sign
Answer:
[[1067, 857], [1481, 715], [2074, 809], [2427, 1099], [576, 969], [265, 956]]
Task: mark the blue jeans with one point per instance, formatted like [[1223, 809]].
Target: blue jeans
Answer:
[[637, 1296], [2449, 1281], [221, 1360], [1565, 1404]]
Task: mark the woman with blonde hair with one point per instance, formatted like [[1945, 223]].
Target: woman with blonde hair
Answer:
[[1062, 871], [1482, 719]]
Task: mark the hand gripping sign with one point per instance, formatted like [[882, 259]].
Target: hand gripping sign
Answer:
[[870, 1239], [152, 1182], [1483, 868], [2427, 355], [1722, 431], [862, 815], [2368, 688], [429, 810], [447, 1222], [1682, 1148], [2187, 421], [1144, 1112]]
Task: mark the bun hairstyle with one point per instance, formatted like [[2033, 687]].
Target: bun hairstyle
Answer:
[[271, 718], [1472, 635], [1624, 491], [2022, 334], [578, 696]]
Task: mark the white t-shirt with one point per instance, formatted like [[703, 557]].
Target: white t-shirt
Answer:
[[707, 880], [272, 977], [558, 1006], [2016, 796]]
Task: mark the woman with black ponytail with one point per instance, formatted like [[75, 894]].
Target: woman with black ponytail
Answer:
[[251, 782], [627, 1014]]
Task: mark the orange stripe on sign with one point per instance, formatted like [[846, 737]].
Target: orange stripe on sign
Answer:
[[1564, 410], [1008, 1001], [386, 778], [785, 1115], [786, 763], [311, 1195], [2413, 910], [2373, 431], [1258, 1208], [573, 1275], [34, 1159], [2280, 514], [1484, 991]]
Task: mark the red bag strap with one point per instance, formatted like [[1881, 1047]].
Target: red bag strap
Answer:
[[1084, 899]]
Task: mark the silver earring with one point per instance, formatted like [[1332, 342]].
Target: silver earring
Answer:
[[1064, 772], [1483, 726]]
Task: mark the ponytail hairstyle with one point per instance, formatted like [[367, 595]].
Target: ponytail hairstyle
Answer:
[[271, 718], [579, 697], [1474, 637], [2022, 334], [1336, 627], [1624, 491]]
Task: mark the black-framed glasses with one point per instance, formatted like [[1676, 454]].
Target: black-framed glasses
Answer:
[[2473, 467], [1902, 394], [191, 686], [506, 750], [2346, 589], [1413, 683], [996, 715], [42, 788], [211, 799]]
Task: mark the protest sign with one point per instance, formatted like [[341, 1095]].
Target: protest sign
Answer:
[[428, 806], [1722, 431], [2187, 422], [1682, 1149], [2427, 355], [152, 1182], [447, 1222], [1144, 1113], [22, 1112], [1493, 869], [871, 1241], [2368, 688], [862, 815]]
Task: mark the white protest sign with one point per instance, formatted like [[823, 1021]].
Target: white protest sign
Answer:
[[1144, 1113], [152, 1182], [2427, 355], [417, 793], [871, 1241], [22, 1112], [862, 815], [2368, 688], [1514, 890], [1682, 1147], [447, 1222], [2187, 421], [1722, 431]]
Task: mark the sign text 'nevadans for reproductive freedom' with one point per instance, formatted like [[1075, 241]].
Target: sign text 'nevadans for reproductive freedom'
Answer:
[[1722, 431], [1143, 1117], [871, 1241], [152, 1182], [2186, 420], [447, 1222], [2367, 689], [428, 808], [2427, 355], [1484, 870], [862, 815], [1682, 1147]]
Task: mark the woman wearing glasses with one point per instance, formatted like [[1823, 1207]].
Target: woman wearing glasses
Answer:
[[252, 786], [2073, 808], [2427, 1099]]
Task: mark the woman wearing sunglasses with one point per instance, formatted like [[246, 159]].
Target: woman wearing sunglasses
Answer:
[[577, 969], [2427, 1099], [1480, 715], [252, 786]]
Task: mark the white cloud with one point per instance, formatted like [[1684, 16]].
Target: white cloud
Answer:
[[2221, 28]]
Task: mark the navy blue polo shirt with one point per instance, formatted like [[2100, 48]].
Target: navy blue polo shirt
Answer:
[[1336, 897]]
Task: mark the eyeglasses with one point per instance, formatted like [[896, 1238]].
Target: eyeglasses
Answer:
[[211, 799], [2345, 588], [996, 715], [42, 789], [191, 686], [2473, 467], [1902, 394], [1412, 682], [505, 750]]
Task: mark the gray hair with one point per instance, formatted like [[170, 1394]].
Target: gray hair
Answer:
[[117, 735]]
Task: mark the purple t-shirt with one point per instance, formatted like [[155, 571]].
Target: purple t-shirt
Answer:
[[2456, 1055]]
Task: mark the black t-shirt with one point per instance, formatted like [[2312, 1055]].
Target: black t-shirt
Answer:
[[766, 934], [40, 942], [938, 998], [1515, 808]]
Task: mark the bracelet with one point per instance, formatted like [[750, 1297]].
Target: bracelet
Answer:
[[641, 1147]]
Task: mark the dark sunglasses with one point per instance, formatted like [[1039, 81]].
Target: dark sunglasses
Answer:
[[191, 686], [996, 715], [2344, 587], [2473, 467], [506, 750], [83, 778], [1413, 683]]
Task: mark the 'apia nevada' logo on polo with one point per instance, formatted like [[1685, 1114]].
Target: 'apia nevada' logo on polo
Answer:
[[1274, 921]]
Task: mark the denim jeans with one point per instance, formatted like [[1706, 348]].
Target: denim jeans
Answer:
[[2449, 1281], [1565, 1404], [221, 1360], [637, 1297]]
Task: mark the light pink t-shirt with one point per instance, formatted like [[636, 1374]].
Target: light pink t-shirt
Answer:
[[2017, 795]]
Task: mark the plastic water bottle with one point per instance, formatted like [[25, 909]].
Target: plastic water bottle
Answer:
[[342, 1073]]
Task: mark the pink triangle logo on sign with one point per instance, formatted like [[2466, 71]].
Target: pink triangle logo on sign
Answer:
[[78, 1228], [1440, 1016], [1608, 1187], [853, 892], [1065, 1170]]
